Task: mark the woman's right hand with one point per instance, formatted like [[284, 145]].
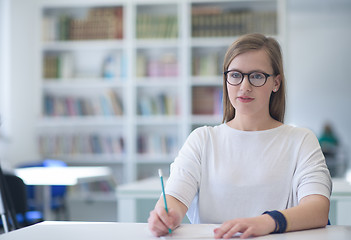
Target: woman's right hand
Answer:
[[160, 221]]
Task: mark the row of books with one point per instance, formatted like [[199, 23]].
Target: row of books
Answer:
[[58, 66], [156, 26], [164, 66], [157, 144], [108, 104], [75, 144], [160, 104], [64, 66], [218, 23], [207, 101], [207, 64], [99, 23]]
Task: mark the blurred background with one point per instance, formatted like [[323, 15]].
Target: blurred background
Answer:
[[120, 84]]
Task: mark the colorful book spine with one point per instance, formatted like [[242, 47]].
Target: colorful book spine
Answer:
[[160, 104], [99, 23], [75, 144], [212, 21], [207, 101], [157, 144], [156, 26], [108, 104]]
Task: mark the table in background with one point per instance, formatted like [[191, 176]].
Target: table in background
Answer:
[[51, 176], [340, 204], [128, 196], [139, 231]]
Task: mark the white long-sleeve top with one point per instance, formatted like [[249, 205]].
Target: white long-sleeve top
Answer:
[[222, 173]]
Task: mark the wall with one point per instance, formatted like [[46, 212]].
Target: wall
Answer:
[[5, 74], [318, 61], [24, 86]]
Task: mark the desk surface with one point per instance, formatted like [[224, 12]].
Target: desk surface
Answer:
[[139, 231], [60, 175]]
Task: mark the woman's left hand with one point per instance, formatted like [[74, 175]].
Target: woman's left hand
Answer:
[[249, 227]]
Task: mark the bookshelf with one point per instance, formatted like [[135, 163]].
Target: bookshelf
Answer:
[[124, 82]]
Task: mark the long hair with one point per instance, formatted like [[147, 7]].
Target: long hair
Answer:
[[251, 42]]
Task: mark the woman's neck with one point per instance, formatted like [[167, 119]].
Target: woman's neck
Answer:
[[246, 123]]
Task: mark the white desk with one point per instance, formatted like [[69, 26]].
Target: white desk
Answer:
[[139, 231], [340, 204], [129, 194], [49, 176]]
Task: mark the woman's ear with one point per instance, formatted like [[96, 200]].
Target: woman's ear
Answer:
[[276, 81]]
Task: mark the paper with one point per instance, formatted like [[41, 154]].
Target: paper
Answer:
[[195, 231]]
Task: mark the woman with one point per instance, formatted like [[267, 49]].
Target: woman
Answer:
[[252, 174]]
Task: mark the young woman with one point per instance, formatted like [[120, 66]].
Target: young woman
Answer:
[[252, 174]]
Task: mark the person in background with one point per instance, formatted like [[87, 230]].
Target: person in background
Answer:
[[328, 140], [252, 174]]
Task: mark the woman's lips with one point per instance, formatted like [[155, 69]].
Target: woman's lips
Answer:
[[245, 99]]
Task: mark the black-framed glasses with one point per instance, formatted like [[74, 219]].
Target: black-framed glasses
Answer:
[[256, 79]]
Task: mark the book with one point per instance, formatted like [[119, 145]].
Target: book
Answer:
[[206, 100]]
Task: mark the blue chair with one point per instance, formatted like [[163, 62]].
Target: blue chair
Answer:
[[57, 192], [18, 196]]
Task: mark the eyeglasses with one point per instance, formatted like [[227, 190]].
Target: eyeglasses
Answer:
[[256, 79]]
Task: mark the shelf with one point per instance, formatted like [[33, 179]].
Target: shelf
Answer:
[[80, 45], [158, 120], [69, 83], [211, 41], [160, 75], [88, 159], [53, 122], [157, 43], [207, 81], [154, 158], [160, 82]]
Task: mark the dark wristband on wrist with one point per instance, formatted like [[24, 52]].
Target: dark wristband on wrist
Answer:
[[279, 219]]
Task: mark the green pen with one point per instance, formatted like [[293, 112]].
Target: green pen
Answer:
[[164, 195]]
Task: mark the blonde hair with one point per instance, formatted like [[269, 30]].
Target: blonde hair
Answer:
[[251, 42]]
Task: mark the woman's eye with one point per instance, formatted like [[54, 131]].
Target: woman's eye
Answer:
[[256, 76], [236, 75]]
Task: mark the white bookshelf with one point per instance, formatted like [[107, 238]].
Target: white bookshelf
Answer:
[[154, 80]]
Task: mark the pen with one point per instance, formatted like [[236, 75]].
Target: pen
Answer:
[[164, 195]]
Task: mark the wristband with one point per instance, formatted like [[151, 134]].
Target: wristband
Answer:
[[279, 219]]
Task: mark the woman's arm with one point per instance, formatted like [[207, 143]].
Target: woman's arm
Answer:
[[160, 221], [312, 212]]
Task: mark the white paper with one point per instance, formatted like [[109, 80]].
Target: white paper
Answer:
[[195, 231]]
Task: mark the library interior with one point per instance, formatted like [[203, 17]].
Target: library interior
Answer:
[[96, 96]]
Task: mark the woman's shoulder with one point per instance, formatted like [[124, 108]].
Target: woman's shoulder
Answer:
[[296, 131], [204, 132], [207, 129]]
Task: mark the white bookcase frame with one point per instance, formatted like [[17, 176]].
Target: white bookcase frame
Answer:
[[131, 165]]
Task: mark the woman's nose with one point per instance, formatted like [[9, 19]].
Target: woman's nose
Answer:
[[245, 84]]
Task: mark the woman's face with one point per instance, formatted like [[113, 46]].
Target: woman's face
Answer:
[[247, 99]]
